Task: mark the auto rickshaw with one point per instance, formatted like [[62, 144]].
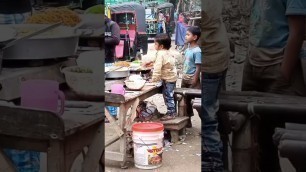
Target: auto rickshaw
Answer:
[[168, 10], [152, 18], [131, 19]]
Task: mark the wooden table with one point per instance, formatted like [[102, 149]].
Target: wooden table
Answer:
[[62, 138], [129, 100]]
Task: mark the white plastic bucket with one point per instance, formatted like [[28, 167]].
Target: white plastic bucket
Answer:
[[148, 145]]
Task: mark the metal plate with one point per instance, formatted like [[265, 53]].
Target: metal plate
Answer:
[[63, 43]]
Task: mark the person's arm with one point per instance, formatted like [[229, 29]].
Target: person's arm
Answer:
[[115, 38], [198, 62], [196, 76], [156, 76], [294, 45]]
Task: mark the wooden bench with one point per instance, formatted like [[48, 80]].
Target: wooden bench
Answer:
[[180, 94], [176, 126]]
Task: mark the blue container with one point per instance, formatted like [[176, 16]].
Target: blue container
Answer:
[[112, 110]]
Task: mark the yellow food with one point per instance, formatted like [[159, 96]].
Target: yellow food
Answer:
[[51, 16], [122, 64]]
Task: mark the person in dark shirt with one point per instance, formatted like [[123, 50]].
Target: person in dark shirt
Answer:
[[14, 11], [112, 39]]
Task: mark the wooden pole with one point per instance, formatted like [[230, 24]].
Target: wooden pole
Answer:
[[242, 149]]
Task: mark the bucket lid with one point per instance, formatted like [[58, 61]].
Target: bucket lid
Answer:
[[148, 127]]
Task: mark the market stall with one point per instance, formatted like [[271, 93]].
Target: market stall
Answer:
[[50, 57]]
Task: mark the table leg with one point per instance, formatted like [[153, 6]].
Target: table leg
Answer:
[[122, 122], [182, 106], [5, 163], [56, 157], [92, 157]]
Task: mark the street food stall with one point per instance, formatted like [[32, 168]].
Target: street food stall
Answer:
[[50, 57]]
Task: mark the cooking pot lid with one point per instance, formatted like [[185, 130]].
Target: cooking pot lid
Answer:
[[7, 33]]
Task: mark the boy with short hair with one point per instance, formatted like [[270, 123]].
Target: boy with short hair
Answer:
[[165, 70], [192, 65]]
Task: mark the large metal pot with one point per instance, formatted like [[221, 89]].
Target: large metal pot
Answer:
[[57, 43], [117, 74]]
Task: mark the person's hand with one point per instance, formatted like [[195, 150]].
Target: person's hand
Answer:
[[286, 73], [194, 82], [148, 64]]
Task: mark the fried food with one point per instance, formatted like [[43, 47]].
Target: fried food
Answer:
[[122, 64], [55, 15]]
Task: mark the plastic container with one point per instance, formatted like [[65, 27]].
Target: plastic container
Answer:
[[148, 145]]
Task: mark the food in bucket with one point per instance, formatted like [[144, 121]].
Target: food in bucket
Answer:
[[122, 64]]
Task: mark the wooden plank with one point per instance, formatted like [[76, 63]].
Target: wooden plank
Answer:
[[91, 161], [114, 156], [176, 127], [252, 96], [19, 143], [15, 121], [113, 123], [133, 114], [149, 91], [174, 136], [177, 120], [114, 98], [6, 164], [122, 122], [76, 122], [56, 157], [112, 140], [188, 91]]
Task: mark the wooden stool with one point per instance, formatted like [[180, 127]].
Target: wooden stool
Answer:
[[175, 126]]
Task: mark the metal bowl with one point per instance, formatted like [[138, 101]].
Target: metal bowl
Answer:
[[84, 84]]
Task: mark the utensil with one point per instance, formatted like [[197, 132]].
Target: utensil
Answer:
[[7, 34], [31, 35], [89, 86], [42, 94], [112, 74], [135, 85], [47, 46], [92, 60]]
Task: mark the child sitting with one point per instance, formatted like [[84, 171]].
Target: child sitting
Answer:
[[164, 70], [192, 65]]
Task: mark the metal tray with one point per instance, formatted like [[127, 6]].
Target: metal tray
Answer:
[[63, 43]]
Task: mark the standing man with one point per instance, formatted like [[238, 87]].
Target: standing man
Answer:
[[112, 39], [161, 22], [277, 30], [215, 59], [14, 11]]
